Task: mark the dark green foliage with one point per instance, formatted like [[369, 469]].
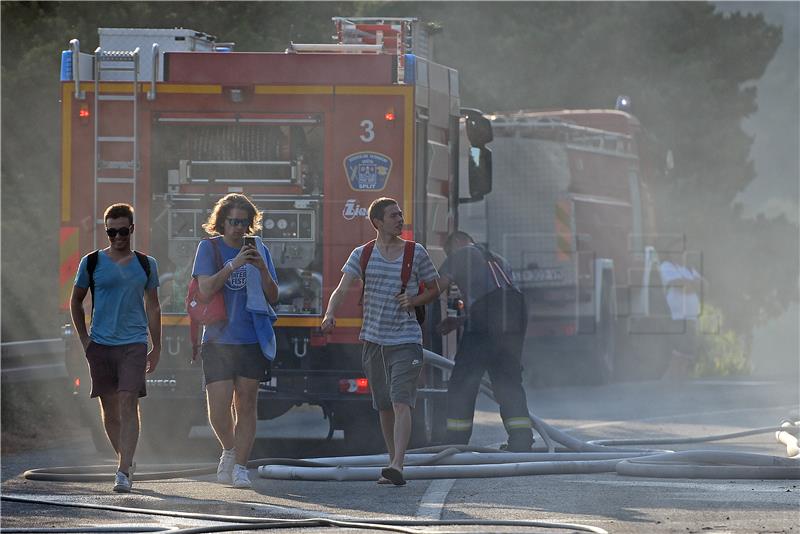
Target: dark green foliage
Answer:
[[688, 68]]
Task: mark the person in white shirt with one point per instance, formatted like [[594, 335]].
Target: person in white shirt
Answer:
[[682, 287]]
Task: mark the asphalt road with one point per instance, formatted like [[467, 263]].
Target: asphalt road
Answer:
[[618, 504]]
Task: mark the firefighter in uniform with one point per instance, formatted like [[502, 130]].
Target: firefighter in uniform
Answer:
[[494, 331]]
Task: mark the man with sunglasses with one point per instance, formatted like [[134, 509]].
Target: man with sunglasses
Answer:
[[124, 286]]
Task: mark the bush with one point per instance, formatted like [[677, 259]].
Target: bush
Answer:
[[720, 352]]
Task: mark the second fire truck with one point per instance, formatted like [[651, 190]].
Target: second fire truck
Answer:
[[571, 212]]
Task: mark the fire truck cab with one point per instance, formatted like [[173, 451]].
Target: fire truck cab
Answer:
[[170, 120]]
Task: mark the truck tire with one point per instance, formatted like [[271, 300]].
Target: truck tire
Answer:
[[94, 422], [362, 430], [166, 430], [604, 354], [428, 421]]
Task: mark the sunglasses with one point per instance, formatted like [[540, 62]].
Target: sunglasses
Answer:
[[123, 232], [238, 222]]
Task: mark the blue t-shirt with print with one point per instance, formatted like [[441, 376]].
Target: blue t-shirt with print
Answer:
[[119, 316], [239, 329]]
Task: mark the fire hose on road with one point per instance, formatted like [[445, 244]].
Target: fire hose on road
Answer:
[[565, 454], [583, 457]]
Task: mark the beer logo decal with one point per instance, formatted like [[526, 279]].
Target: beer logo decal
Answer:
[[367, 171], [353, 209]]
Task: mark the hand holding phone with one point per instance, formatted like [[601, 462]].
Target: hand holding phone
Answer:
[[253, 255]]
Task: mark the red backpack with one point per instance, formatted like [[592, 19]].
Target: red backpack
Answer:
[[204, 312], [405, 274]]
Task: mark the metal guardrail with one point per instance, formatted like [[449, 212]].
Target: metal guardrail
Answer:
[[34, 360]]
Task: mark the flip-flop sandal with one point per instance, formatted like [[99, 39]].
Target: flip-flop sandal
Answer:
[[395, 476]]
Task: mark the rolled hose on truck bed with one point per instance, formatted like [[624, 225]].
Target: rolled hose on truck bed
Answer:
[[564, 454]]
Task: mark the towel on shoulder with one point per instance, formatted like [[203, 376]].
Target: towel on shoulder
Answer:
[[263, 313]]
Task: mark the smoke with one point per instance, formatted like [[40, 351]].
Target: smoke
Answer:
[[775, 191]]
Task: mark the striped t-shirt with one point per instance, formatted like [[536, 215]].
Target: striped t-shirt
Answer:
[[384, 322]]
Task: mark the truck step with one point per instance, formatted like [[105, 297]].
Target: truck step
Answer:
[[124, 98], [107, 164], [115, 139], [105, 180]]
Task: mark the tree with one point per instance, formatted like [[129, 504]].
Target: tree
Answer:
[[685, 65], [687, 68]]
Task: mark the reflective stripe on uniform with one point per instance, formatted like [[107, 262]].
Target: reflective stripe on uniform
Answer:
[[459, 425], [516, 422]]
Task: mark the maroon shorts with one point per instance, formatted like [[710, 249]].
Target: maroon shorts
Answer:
[[116, 368]]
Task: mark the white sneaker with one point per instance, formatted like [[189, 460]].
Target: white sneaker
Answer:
[[225, 467], [241, 479], [122, 483]]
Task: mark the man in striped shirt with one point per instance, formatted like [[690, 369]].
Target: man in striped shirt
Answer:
[[392, 352]]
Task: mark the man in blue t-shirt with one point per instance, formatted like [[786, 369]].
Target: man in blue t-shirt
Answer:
[[124, 286]]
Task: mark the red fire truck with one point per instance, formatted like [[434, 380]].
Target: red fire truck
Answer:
[[570, 211], [170, 120]]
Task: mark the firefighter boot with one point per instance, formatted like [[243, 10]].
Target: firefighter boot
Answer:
[[519, 440], [458, 431]]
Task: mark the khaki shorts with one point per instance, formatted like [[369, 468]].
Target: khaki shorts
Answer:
[[392, 371]]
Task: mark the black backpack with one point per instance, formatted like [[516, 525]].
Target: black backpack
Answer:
[[91, 264]]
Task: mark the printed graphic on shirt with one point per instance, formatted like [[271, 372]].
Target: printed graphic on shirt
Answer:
[[238, 278]]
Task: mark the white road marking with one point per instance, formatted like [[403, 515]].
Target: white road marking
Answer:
[[432, 503]]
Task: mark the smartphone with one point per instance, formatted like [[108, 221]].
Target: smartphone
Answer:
[[250, 240]]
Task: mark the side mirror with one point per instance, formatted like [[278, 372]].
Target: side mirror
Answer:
[[480, 172], [479, 128]]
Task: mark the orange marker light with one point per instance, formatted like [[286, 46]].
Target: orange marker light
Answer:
[[389, 115]]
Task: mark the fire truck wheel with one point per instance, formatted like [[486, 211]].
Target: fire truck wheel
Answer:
[[163, 431], [605, 342], [428, 421], [91, 413], [362, 430]]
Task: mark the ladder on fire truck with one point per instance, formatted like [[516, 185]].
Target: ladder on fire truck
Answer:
[[557, 129], [108, 172]]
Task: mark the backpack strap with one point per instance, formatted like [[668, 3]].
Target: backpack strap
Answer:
[[405, 276], [408, 263], [495, 268], [217, 253], [145, 263], [366, 253], [91, 265]]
